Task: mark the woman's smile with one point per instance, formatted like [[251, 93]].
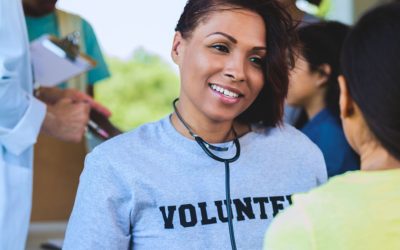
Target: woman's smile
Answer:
[[227, 95]]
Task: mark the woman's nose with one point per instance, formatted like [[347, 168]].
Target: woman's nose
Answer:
[[235, 69]]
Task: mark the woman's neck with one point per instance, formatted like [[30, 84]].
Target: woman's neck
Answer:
[[314, 105], [374, 157], [211, 131]]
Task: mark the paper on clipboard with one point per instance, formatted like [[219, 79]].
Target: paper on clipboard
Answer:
[[51, 66]]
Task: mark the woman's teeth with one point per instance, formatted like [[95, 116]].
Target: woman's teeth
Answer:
[[223, 91]]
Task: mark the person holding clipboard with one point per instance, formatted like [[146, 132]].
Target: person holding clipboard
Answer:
[[43, 17], [214, 173]]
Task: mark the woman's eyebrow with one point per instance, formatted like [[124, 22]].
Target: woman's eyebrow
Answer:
[[259, 48], [231, 38]]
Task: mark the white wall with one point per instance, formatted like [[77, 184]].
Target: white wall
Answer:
[[349, 11], [342, 10]]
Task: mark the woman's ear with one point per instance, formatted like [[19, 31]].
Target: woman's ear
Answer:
[[176, 47], [346, 103], [324, 71]]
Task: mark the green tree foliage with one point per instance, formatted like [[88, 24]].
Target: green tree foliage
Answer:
[[324, 8], [140, 90]]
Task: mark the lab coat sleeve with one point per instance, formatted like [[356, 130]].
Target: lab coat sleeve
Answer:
[[16, 139], [21, 115]]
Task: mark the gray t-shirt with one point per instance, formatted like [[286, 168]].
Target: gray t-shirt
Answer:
[[153, 188]]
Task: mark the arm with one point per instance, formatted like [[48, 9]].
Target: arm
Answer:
[[21, 115], [101, 215], [317, 162], [51, 95], [321, 171]]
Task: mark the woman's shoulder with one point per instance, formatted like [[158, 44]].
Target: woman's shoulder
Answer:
[[284, 135], [134, 139], [293, 149]]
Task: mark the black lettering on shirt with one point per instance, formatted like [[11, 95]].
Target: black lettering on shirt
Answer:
[[190, 214], [182, 215], [262, 201], [168, 219], [244, 208], [289, 198], [204, 217], [277, 204], [221, 210]]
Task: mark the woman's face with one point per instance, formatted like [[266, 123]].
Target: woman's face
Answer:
[[302, 83], [221, 65]]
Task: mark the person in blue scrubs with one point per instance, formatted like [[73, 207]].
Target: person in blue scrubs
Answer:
[[314, 87]]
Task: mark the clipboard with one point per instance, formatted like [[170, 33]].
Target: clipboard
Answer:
[[53, 65], [102, 123]]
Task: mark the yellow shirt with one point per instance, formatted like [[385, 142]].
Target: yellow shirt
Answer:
[[358, 210]]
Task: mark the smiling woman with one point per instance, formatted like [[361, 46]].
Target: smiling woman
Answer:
[[221, 68], [222, 141]]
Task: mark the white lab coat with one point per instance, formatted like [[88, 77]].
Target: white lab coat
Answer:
[[21, 116]]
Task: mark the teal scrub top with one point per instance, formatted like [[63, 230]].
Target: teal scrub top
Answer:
[[38, 26]]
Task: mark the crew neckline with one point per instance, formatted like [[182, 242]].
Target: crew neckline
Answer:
[[191, 145], [49, 16]]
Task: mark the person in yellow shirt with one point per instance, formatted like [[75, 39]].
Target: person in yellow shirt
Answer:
[[360, 209]]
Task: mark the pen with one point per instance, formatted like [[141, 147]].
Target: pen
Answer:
[[97, 128]]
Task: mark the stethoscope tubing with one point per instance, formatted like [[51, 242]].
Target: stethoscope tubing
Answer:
[[205, 146], [200, 141]]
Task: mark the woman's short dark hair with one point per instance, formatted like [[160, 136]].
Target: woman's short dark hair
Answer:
[[370, 62], [321, 43], [267, 109]]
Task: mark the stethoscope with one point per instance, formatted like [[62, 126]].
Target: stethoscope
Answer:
[[206, 148]]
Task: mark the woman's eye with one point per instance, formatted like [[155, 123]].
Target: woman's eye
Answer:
[[257, 60], [221, 48]]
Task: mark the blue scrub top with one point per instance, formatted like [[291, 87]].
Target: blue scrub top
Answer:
[[326, 131], [38, 26]]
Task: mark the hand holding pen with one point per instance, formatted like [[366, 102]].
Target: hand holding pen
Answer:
[[51, 95], [79, 96], [66, 120]]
